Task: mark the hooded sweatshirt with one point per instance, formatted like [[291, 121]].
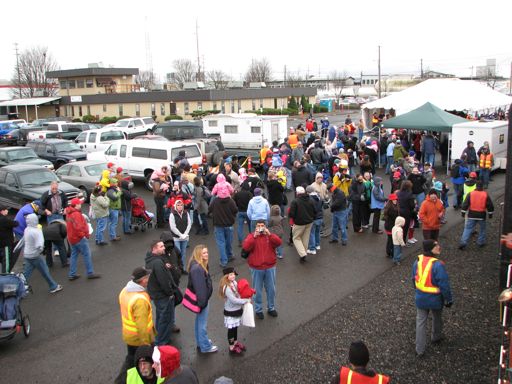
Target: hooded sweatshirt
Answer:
[[224, 212], [429, 214], [222, 189], [397, 232], [161, 283], [33, 237], [378, 200], [258, 209], [275, 224], [76, 225], [100, 206]]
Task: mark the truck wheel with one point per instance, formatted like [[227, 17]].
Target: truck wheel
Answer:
[[149, 184], [59, 164], [148, 132]]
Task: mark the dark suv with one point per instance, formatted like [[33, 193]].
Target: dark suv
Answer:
[[59, 152], [20, 184]]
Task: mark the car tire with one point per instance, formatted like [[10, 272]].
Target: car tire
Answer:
[[85, 194], [59, 164], [148, 132], [148, 183], [26, 325]]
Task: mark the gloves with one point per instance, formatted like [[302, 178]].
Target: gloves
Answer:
[[490, 216], [448, 305]]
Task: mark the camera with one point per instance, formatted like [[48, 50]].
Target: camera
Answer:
[[261, 230]]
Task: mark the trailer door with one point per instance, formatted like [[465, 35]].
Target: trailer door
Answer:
[[275, 131]]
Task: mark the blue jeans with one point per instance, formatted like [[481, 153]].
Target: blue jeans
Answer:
[[382, 159], [314, 236], [127, 218], [264, 278], [279, 251], [390, 161], [397, 253], [182, 247], [101, 224], [485, 175], [458, 189], [39, 264], [53, 217], [81, 247], [468, 229], [113, 218], [430, 158], [164, 320], [241, 218], [288, 178], [202, 340], [339, 223], [224, 240], [201, 222]]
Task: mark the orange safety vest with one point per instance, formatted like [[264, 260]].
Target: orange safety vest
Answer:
[[263, 154], [424, 275], [478, 201], [486, 161], [126, 302], [348, 376], [293, 140]]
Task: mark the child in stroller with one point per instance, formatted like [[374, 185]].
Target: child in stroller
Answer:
[[141, 219], [13, 288]]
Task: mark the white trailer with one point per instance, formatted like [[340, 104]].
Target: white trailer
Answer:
[[495, 132], [244, 134]]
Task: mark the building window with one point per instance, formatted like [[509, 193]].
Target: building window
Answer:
[[231, 129], [153, 109], [223, 106], [255, 129], [63, 84], [185, 105], [199, 105], [253, 104], [88, 109], [232, 106], [104, 107], [137, 110], [239, 106], [71, 84], [120, 110], [80, 111], [214, 105], [261, 103], [89, 83], [80, 84], [162, 109]]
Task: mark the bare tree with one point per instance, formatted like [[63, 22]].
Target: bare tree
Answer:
[[146, 79], [338, 80], [259, 71], [184, 71], [30, 73], [218, 79], [294, 81]]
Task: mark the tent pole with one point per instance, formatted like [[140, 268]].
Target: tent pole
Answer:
[[449, 153], [378, 146]]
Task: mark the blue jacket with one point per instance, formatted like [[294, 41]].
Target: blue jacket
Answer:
[[258, 209], [331, 133], [439, 279], [378, 200], [429, 145], [461, 179], [21, 219]]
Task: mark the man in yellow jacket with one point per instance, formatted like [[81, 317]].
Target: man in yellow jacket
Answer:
[[136, 315]]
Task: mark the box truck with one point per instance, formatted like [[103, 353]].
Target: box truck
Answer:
[[495, 132]]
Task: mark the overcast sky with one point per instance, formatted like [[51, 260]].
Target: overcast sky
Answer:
[[308, 37]]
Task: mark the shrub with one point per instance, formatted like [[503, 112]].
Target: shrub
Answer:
[[108, 120], [292, 104], [89, 119], [173, 117], [320, 109], [76, 120]]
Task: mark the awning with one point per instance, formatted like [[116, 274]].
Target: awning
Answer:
[[28, 102]]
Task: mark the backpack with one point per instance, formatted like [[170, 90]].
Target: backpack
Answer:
[[455, 171]]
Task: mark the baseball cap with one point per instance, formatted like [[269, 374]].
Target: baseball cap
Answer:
[[76, 201]]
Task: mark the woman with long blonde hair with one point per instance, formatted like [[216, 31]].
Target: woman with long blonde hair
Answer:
[[200, 283]]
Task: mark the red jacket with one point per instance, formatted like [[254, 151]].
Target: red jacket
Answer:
[[430, 213], [76, 225], [262, 250]]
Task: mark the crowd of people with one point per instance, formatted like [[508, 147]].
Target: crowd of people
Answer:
[[332, 169]]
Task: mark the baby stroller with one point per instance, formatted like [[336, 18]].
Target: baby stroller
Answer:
[[141, 219], [13, 288]]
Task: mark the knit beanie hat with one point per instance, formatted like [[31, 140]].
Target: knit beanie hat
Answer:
[[428, 245], [166, 359], [358, 354], [143, 353]]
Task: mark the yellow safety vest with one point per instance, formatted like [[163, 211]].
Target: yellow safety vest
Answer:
[[424, 275], [126, 302]]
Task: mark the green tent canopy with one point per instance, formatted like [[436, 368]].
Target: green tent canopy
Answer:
[[428, 117]]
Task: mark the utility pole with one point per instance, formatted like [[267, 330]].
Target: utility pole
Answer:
[[284, 77], [18, 68], [198, 77], [379, 91], [421, 68], [510, 81]]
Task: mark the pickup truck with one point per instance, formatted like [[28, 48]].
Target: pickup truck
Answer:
[[134, 126], [60, 130], [59, 152]]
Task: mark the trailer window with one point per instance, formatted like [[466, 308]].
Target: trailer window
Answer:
[[231, 129], [255, 129]]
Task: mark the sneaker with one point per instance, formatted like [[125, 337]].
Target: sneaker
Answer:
[[366, 226], [116, 239], [260, 315], [57, 289], [410, 242], [93, 276], [343, 243], [302, 259], [56, 253], [241, 346], [462, 247], [311, 251], [272, 313], [74, 277], [212, 349], [414, 240], [279, 256], [333, 241], [317, 247], [101, 243]]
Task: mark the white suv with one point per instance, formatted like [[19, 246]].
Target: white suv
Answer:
[[135, 126]]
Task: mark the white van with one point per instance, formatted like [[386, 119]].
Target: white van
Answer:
[[98, 139], [141, 157]]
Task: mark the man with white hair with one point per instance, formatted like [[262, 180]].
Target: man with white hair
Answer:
[[302, 212]]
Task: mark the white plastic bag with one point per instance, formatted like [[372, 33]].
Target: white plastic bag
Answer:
[[248, 315]]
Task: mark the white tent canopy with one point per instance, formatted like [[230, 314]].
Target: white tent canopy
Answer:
[[447, 94]]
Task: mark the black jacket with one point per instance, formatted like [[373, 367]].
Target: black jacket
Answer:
[[126, 197], [356, 191], [418, 181], [172, 256], [318, 204], [55, 231], [6, 235], [242, 199], [46, 200], [339, 201], [201, 284], [302, 177], [275, 193], [224, 211], [406, 204], [161, 284], [302, 210]]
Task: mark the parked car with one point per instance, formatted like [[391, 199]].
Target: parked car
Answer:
[[60, 130], [209, 150], [179, 129], [141, 157], [152, 137], [135, 126], [20, 184], [10, 138], [9, 125], [59, 152], [84, 175], [98, 139], [18, 155]]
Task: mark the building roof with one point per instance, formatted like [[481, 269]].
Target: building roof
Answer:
[[28, 102], [190, 95], [92, 72]]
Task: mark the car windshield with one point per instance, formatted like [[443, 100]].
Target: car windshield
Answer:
[[112, 135], [66, 147], [122, 123], [37, 177], [95, 169], [21, 154]]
